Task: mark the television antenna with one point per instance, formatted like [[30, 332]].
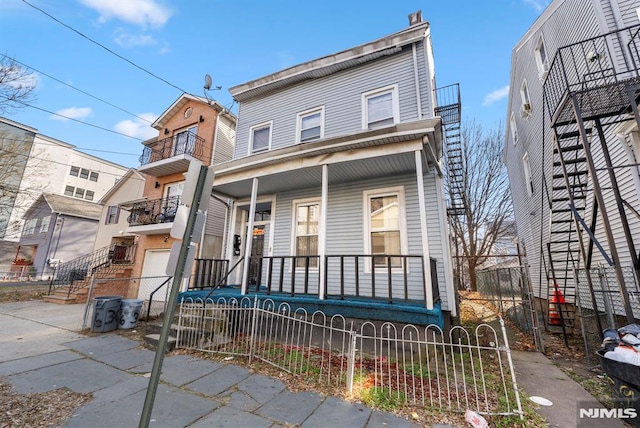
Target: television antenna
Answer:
[[207, 87]]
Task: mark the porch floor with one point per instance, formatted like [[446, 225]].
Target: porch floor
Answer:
[[359, 308]]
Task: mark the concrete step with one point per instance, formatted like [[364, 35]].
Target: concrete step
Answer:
[[154, 339], [60, 299]]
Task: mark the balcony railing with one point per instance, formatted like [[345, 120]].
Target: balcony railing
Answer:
[[183, 143], [154, 211]]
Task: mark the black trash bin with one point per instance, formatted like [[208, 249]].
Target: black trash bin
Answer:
[[626, 384], [105, 313]]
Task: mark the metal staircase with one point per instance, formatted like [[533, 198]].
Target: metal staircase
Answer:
[[449, 109]]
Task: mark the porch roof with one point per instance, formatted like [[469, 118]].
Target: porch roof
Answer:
[[370, 153]]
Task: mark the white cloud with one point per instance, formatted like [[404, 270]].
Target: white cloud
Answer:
[[138, 128], [537, 5], [72, 113], [128, 40], [139, 12], [495, 96]]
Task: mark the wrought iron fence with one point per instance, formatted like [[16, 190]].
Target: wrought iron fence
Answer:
[[154, 211], [421, 366], [179, 144]]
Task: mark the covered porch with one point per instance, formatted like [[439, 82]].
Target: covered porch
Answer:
[[334, 254]]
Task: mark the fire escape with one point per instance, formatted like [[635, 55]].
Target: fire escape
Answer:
[[449, 109], [591, 90]]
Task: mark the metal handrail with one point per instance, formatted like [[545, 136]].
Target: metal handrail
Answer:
[[154, 211], [154, 292], [183, 143], [222, 280]]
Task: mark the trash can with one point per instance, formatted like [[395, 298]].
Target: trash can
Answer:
[[129, 313], [626, 384], [105, 313]]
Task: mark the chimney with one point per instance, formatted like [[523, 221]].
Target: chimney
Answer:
[[415, 18]]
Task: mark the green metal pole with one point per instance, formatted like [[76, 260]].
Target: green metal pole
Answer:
[[145, 417]]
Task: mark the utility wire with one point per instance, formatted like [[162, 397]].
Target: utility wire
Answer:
[[75, 120], [105, 48], [44, 143], [77, 89]]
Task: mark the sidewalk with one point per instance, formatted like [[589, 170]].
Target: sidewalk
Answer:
[[41, 349]]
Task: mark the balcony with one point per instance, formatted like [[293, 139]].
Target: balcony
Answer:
[[153, 217], [172, 154]]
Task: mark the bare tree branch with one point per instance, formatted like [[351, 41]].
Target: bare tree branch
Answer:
[[486, 195], [17, 86]]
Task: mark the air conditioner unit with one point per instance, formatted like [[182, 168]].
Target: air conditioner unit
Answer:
[[525, 110]]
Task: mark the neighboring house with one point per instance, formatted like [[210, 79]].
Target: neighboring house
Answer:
[[572, 148], [336, 177], [44, 164], [192, 128], [113, 221], [58, 228]]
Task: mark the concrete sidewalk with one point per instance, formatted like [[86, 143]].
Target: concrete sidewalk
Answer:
[[41, 349]]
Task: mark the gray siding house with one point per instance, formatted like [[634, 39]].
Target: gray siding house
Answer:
[[572, 151], [58, 229], [335, 181]]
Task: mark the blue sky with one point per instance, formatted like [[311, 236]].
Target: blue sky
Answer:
[[178, 42]]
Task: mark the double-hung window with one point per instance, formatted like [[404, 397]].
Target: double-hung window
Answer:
[[380, 108], [84, 173], [527, 174], [513, 127], [260, 137], [113, 213], [44, 225], [310, 125], [75, 170], [68, 190], [307, 218], [385, 226], [542, 61]]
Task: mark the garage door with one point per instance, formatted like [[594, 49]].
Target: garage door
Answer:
[[153, 274]]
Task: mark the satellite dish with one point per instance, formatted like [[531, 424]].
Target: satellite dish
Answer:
[[207, 82]]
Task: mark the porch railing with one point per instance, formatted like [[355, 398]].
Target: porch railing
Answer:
[[154, 211], [379, 277], [180, 144]]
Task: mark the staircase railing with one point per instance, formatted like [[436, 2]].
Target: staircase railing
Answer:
[[74, 272]]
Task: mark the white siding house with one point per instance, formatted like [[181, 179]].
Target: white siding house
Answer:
[[572, 151], [336, 178]]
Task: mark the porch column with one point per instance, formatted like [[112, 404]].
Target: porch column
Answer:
[[249, 237], [422, 205], [322, 230]]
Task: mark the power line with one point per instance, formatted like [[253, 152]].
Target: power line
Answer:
[[75, 120], [104, 47], [77, 89], [44, 143]]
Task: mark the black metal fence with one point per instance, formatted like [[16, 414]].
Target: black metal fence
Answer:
[[183, 143], [154, 211]]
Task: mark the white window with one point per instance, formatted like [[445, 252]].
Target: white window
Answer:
[[84, 173], [307, 221], [44, 225], [380, 108], [68, 190], [79, 193], [93, 176], [260, 137], [30, 226], [542, 61], [89, 195], [525, 109], [310, 125], [527, 174], [385, 225], [513, 127], [74, 171], [113, 212]]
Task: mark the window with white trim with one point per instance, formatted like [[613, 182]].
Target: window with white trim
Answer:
[[385, 225], [380, 108], [513, 127], [89, 195], [525, 109], [68, 190], [184, 140], [542, 61], [93, 176], [113, 213], [79, 193], [260, 137], [75, 170], [527, 174], [44, 224], [306, 227], [84, 173], [30, 226], [310, 125]]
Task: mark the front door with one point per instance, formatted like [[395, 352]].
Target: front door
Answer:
[[257, 251]]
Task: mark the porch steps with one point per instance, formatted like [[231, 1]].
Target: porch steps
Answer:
[[206, 331]]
